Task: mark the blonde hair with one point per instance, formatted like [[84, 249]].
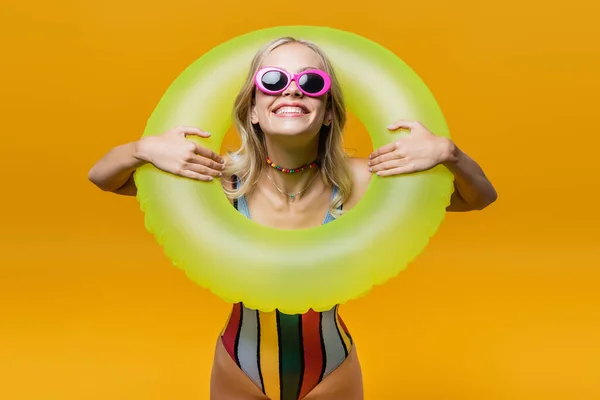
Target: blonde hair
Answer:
[[248, 162]]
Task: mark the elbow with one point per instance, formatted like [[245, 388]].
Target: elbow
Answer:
[[494, 196], [95, 179], [92, 176], [487, 200]]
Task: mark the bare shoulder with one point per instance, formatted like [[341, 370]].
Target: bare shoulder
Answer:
[[361, 177]]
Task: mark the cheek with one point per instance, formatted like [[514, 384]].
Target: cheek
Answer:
[[321, 108], [262, 103]]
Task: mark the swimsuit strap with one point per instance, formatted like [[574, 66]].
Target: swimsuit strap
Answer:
[[240, 204]]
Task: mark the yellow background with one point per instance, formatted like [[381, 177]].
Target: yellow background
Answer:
[[503, 304]]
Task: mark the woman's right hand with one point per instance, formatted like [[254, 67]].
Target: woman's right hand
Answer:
[[172, 152]]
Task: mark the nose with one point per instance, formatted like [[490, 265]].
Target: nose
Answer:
[[292, 90]]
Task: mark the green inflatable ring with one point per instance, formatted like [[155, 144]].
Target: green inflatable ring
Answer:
[[294, 270]]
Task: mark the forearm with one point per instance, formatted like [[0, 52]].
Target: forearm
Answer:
[[115, 169], [473, 190]]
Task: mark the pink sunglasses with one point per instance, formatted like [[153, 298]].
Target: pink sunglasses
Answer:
[[273, 80]]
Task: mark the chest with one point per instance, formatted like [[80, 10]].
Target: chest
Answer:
[[277, 212]]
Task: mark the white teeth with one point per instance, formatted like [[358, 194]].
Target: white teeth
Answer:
[[290, 110]]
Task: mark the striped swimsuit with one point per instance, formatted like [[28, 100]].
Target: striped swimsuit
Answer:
[[286, 356]]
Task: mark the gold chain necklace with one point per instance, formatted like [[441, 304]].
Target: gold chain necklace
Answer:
[[292, 196]]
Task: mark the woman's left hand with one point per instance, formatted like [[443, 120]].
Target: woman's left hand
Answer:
[[419, 151]]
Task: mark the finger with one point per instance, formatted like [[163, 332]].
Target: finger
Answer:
[[192, 131], [198, 159], [187, 173], [383, 150], [395, 155], [403, 123], [403, 169], [208, 153], [201, 169], [388, 165]]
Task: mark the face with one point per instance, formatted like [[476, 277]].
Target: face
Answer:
[[305, 115]]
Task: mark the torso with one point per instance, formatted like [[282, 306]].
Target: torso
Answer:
[[286, 356]]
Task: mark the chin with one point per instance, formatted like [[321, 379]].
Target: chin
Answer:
[[290, 132], [300, 134], [291, 127]]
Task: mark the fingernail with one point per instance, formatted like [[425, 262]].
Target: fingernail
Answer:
[[369, 164], [370, 169]]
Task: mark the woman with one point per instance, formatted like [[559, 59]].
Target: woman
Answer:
[[291, 172]]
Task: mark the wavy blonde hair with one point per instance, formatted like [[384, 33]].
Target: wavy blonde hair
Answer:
[[248, 162]]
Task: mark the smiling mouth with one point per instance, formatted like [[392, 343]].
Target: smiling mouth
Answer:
[[290, 111]]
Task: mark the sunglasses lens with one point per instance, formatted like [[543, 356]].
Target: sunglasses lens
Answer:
[[274, 80], [311, 82]]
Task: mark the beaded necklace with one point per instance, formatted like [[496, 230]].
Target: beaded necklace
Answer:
[[302, 168]]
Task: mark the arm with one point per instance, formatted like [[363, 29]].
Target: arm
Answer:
[[472, 189], [114, 172], [421, 150], [170, 152]]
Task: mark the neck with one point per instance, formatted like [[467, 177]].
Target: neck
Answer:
[[289, 155]]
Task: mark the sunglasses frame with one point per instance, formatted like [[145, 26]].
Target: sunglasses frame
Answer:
[[292, 78]]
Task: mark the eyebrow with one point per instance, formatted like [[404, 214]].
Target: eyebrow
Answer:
[[301, 69]]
